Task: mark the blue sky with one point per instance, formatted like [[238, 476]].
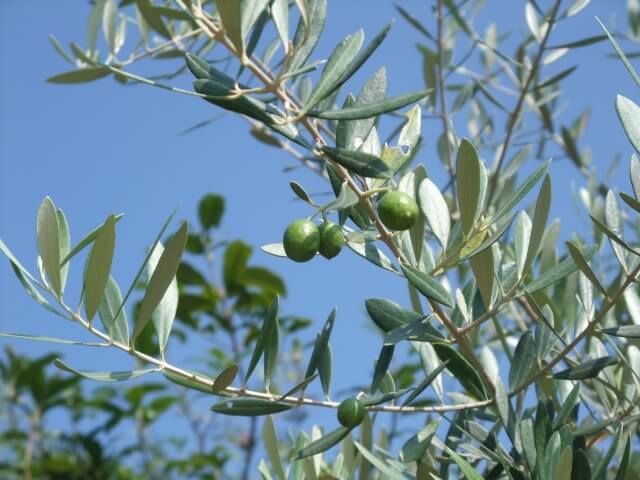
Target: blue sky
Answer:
[[100, 148]]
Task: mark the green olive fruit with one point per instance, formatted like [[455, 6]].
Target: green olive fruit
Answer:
[[351, 413], [398, 211], [331, 239], [301, 240]]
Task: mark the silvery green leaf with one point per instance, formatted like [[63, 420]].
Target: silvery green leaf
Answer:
[[522, 190], [577, 7], [117, 327], [613, 221], [48, 236], [272, 446], [588, 369], [388, 470], [308, 31], [275, 249], [225, 378], [160, 300], [629, 114], [523, 360], [628, 331], [532, 21], [382, 366], [99, 267], [482, 265], [436, 211], [351, 134], [266, 333], [427, 285], [372, 109], [105, 376], [335, 68], [522, 236], [321, 343], [231, 16], [373, 254], [323, 443], [62, 341], [346, 198], [359, 162], [249, 407], [539, 220], [64, 242], [280, 15], [634, 174], [417, 445], [422, 386], [469, 184]]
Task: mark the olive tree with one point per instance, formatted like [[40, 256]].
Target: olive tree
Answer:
[[526, 351]]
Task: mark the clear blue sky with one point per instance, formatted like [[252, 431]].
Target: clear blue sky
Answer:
[[100, 148]]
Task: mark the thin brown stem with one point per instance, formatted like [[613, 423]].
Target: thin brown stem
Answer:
[[446, 121], [515, 114]]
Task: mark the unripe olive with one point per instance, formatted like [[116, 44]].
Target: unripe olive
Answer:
[[398, 211], [301, 240], [331, 239], [351, 412]]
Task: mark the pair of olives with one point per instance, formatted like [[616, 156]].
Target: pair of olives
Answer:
[[303, 239]]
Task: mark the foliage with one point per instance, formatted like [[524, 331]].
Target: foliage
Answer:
[[488, 285]]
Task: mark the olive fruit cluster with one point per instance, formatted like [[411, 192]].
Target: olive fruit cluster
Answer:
[[303, 239], [398, 211]]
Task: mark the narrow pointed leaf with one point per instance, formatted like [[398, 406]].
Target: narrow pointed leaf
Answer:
[[436, 211], [628, 331], [358, 162], [87, 240], [461, 369], [47, 233], [323, 443], [427, 285], [160, 282], [465, 467], [80, 75], [469, 184], [539, 220], [522, 190], [63, 341], [557, 273], [152, 18], [270, 319], [372, 109], [336, 66], [231, 15], [523, 360], [105, 376], [117, 327], [99, 267], [382, 366], [322, 340], [388, 315], [271, 445], [424, 384], [64, 241], [300, 386], [587, 369], [584, 267], [567, 407], [280, 15], [249, 407], [225, 378], [189, 382]]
